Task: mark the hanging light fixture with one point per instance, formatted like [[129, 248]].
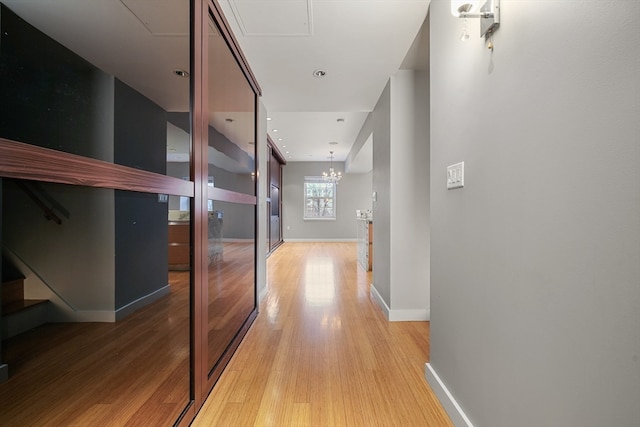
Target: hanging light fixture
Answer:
[[332, 175]]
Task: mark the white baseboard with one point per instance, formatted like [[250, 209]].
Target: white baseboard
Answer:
[[85, 316], [126, 310], [378, 299], [419, 315], [106, 316], [415, 315], [263, 293], [449, 403], [319, 240], [60, 313]]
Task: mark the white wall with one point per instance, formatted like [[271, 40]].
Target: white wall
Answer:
[[353, 192], [535, 277], [76, 258]]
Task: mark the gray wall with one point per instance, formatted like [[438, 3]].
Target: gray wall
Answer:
[[401, 182], [409, 193], [363, 135], [536, 262], [354, 192], [382, 206], [141, 232]]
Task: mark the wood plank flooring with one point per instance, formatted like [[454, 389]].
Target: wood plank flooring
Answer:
[[131, 373], [322, 354]]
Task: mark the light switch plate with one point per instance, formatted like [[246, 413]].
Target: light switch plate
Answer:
[[455, 176]]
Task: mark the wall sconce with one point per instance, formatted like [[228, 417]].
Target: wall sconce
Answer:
[[487, 10]]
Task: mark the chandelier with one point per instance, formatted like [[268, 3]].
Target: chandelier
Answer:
[[332, 175]]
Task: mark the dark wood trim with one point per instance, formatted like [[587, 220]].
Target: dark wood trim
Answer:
[[198, 174], [276, 151], [231, 196], [217, 17], [232, 42], [24, 161], [187, 416]]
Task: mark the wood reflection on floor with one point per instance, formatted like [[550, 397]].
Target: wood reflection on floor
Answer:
[[231, 295], [321, 353], [131, 373]]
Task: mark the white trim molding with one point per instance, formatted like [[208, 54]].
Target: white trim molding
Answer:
[[262, 294], [133, 306], [319, 240], [449, 403], [413, 315]]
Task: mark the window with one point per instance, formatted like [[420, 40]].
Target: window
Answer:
[[319, 199]]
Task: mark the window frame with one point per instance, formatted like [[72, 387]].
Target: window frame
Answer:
[[318, 180]]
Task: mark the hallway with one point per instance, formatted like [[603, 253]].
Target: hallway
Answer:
[[321, 353]]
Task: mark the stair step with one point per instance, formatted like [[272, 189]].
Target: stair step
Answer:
[[12, 292], [23, 316], [18, 306]]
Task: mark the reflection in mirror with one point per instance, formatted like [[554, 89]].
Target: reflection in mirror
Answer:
[[96, 79], [232, 105], [231, 226], [100, 79], [231, 272], [110, 344]]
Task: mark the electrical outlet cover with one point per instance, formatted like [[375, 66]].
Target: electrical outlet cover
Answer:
[[455, 176]]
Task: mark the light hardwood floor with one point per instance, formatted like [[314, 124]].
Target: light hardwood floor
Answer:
[[322, 354]]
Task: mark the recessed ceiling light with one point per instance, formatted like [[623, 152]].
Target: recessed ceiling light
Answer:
[[181, 73], [275, 130], [287, 152], [279, 139], [319, 73], [268, 118], [284, 146], [333, 143]]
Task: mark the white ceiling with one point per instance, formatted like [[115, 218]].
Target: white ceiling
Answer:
[[359, 43]]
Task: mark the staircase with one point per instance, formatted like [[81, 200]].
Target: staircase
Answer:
[[19, 314]]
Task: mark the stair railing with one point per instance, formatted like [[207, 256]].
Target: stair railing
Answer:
[[48, 213]]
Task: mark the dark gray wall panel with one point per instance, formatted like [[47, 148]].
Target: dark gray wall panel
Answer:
[[141, 246]]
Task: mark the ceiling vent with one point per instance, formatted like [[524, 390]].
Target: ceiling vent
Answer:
[[286, 18], [161, 17]]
